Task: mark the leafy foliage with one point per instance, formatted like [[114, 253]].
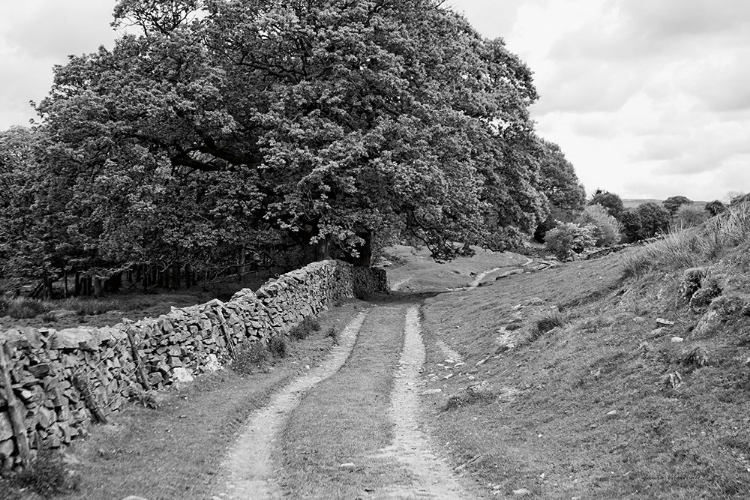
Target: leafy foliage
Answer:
[[610, 201], [606, 229], [559, 183], [249, 356], [673, 203], [48, 475], [568, 239], [632, 228], [715, 208], [688, 216], [654, 218], [220, 128]]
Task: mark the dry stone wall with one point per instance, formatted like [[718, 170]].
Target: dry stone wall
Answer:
[[60, 380]]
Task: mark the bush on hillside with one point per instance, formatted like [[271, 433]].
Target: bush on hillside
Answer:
[[569, 238], [695, 246], [655, 219], [22, 308], [48, 475], [249, 356], [632, 229], [674, 203], [610, 201], [715, 208], [305, 328], [689, 216], [606, 228]]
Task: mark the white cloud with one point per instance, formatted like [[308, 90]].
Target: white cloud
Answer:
[[646, 98], [37, 34]]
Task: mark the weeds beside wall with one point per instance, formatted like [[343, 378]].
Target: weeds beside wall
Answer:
[[53, 383]]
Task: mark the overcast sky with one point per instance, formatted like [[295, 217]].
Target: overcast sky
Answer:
[[647, 98]]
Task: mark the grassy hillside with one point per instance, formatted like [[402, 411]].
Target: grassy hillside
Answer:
[[626, 377]]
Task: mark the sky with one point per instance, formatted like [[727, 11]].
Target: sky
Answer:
[[646, 98]]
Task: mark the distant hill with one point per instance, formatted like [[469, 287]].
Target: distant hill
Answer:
[[636, 203]]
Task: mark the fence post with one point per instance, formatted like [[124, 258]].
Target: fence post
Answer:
[[15, 413]]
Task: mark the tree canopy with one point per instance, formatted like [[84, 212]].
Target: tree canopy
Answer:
[[715, 207], [222, 125], [610, 201], [673, 203]]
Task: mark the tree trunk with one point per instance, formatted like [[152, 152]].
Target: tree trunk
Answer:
[[241, 264], [365, 251], [77, 284], [314, 251], [176, 275], [188, 276]]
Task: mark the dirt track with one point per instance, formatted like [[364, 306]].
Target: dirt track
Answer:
[[249, 469]]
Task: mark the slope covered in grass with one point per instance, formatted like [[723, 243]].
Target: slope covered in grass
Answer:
[[591, 394]]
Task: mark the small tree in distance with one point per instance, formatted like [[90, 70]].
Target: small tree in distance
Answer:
[[715, 208], [689, 216], [655, 219], [568, 239], [610, 201], [632, 229], [673, 203], [606, 229]]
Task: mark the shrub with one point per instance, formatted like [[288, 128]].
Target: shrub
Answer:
[[696, 246], [332, 333], [569, 238], [606, 228], [689, 216], [472, 395], [249, 355], [278, 346], [305, 328], [674, 203], [48, 317], [610, 201], [715, 208], [23, 308], [88, 307], [630, 222], [655, 219], [545, 323], [47, 475]]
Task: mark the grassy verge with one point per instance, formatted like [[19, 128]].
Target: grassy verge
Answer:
[[333, 438], [416, 269], [175, 451], [109, 310], [602, 403]]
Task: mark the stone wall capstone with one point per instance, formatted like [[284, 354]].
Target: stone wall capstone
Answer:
[[61, 379]]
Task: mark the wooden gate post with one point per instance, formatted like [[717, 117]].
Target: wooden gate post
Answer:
[[15, 412]]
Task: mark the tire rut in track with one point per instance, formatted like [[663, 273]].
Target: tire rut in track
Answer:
[[434, 479], [248, 469]]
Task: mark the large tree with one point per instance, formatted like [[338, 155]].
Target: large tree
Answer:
[[318, 123]]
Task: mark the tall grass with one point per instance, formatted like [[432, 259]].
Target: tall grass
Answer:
[[693, 246], [22, 307]]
